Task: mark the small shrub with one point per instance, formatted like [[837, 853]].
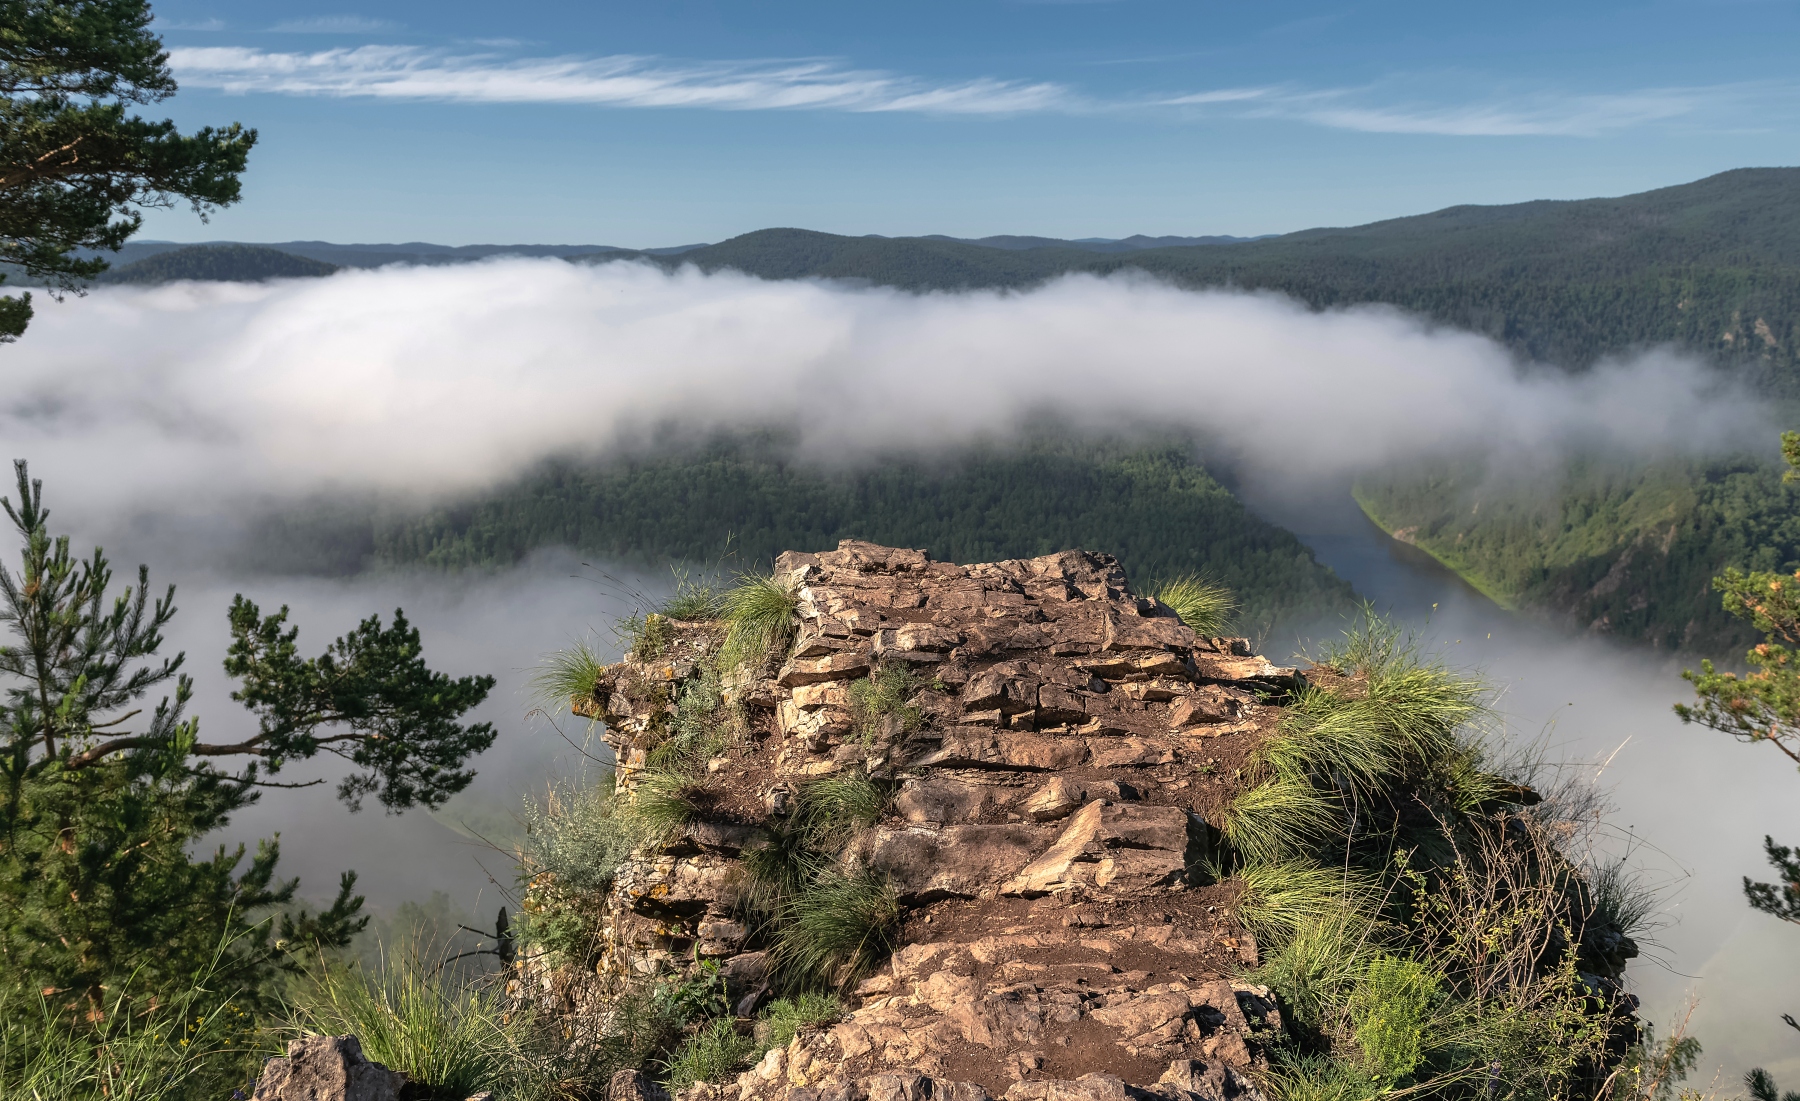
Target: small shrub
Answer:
[[713, 1054], [885, 692], [577, 836], [567, 677], [1390, 1010], [838, 927], [790, 1016], [1202, 605], [759, 616]]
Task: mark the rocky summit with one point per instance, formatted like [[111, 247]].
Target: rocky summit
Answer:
[[1053, 775]]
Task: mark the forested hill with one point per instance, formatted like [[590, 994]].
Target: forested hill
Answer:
[[218, 263], [1149, 503], [1713, 266]]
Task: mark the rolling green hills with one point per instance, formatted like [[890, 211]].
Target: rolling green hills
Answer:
[[1712, 266], [752, 497]]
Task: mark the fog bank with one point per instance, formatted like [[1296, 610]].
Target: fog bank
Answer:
[[189, 399]]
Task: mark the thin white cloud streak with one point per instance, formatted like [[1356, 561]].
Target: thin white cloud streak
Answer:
[[335, 24], [411, 73], [627, 81], [440, 381], [1537, 115]]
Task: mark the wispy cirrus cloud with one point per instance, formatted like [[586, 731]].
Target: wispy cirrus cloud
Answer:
[[335, 24], [418, 73], [1537, 114], [407, 72]]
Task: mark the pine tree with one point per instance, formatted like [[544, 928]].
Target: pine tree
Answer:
[[102, 797]]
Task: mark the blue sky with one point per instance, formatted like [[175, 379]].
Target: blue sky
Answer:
[[693, 120]]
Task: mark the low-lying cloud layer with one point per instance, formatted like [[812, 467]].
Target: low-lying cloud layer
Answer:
[[445, 380]]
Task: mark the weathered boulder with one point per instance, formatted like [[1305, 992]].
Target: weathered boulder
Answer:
[[327, 1068]]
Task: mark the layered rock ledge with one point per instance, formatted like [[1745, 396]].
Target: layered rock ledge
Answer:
[[1055, 777]]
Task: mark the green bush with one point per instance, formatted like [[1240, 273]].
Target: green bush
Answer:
[[1390, 1011], [577, 836]]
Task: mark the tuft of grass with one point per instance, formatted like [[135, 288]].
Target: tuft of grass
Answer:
[[567, 678], [456, 1037], [1621, 898], [1280, 819], [836, 806], [1282, 897], [885, 693], [661, 803], [693, 600], [838, 927], [1316, 968], [1202, 605], [759, 617], [789, 1016], [1318, 1078], [781, 865], [712, 1054], [1391, 1010]]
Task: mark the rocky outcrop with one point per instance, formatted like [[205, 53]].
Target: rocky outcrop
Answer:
[[1064, 748], [327, 1068]]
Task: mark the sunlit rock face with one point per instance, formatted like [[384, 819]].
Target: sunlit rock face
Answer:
[[1050, 770]]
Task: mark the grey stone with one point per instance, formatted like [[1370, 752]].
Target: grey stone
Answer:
[[327, 1068]]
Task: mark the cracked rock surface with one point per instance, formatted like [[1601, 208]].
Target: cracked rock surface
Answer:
[[1053, 792]]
